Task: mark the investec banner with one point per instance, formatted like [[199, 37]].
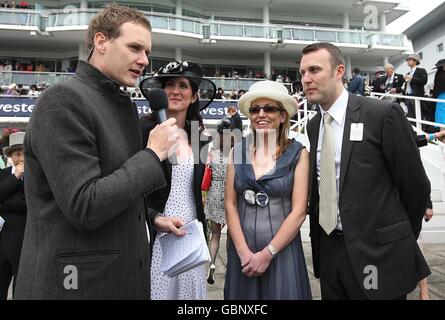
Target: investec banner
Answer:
[[22, 107]]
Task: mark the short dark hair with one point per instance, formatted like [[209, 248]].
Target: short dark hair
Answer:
[[336, 56], [109, 19], [232, 109], [356, 70]]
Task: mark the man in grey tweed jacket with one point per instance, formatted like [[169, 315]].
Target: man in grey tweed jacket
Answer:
[[88, 174]]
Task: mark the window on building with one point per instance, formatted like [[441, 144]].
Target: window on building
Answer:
[[440, 47]]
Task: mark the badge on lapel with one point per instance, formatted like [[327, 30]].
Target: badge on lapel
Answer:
[[356, 132]]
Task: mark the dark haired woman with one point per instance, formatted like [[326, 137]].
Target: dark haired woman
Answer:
[[188, 93]]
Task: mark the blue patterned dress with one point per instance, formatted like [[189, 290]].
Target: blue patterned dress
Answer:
[[287, 277]]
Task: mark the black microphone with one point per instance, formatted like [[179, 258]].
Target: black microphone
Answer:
[[158, 103]]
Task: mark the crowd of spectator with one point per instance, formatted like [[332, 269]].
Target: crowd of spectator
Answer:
[[237, 74], [14, 89], [14, 5], [358, 84], [26, 67]]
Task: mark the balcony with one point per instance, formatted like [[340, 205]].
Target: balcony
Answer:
[[68, 18], [318, 34], [393, 40], [63, 19], [20, 19], [173, 23], [75, 19], [29, 78], [51, 78], [241, 30]]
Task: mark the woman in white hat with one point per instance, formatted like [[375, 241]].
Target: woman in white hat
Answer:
[[266, 200]]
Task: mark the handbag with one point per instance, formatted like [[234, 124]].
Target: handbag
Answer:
[[207, 179]]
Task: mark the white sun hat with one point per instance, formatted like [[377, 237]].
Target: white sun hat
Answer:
[[271, 90]]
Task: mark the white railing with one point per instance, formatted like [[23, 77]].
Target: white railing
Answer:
[[438, 176], [245, 30], [303, 117], [20, 17], [301, 33], [418, 110], [33, 77]]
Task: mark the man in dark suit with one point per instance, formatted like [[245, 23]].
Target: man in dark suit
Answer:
[[393, 82], [416, 80], [236, 123], [365, 210], [88, 173], [13, 213], [378, 83]]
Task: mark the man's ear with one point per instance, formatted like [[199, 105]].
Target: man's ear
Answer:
[[340, 71], [100, 42]]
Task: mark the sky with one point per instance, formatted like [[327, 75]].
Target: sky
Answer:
[[418, 9]]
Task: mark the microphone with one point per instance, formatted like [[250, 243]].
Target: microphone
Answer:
[[158, 103]]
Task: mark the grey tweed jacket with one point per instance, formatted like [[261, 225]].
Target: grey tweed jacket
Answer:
[[87, 177]]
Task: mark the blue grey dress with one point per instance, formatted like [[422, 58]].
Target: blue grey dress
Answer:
[[287, 277]]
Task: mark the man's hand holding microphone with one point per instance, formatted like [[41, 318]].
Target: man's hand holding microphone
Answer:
[[163, 139]]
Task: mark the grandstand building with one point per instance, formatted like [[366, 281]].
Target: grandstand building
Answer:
[[237, 39]]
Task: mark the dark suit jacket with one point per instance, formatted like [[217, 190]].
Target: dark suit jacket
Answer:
[[376, 84], [236, 122], [397, 82], [383, 196], [439, 83], [87, 174], [158, 199], [13, 211], [418, 82]]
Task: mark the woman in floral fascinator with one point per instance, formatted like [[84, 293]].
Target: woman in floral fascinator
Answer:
[[187, 93]]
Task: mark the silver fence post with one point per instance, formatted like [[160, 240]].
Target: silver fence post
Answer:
[[418, 114], [299, 117]]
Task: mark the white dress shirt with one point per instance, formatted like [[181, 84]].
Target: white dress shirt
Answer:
[[409, 90], [390, 80], [338, 112]]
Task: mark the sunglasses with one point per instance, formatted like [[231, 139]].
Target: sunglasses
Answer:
[[266, 109]]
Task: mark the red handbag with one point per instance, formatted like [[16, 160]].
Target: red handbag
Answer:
[[207, 179]]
